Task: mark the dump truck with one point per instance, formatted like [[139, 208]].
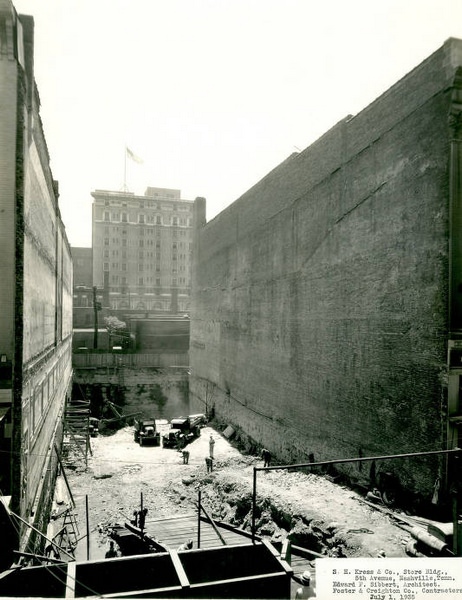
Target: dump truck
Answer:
[[183, 430], [146, 432]]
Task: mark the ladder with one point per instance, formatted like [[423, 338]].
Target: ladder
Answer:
[[77, 427]]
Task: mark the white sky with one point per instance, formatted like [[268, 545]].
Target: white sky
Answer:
[[211, 94]]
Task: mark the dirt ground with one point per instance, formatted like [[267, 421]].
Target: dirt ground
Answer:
[[326, 516]]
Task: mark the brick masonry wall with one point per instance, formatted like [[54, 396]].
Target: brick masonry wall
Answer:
[[8, 91], [319, 320]]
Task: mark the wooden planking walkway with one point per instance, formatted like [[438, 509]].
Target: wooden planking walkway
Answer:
[[174, 531]]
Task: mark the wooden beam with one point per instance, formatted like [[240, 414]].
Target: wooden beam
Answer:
[[70, 580], [39, 557], [214, 526]]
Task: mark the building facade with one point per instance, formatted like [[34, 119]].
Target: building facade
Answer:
[[35, 294], [142, 250], [83, 295], [326, 319]]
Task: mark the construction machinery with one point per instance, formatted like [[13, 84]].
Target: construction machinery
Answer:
[[183, 430], [146, 432]]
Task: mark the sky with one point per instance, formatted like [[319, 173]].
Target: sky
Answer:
[[210, 94]]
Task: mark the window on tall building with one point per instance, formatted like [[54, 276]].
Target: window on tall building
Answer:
[[124, 218], [106, 254], [141, 254], [124, 241], [140, 267], [106, 215], [140, 281], [106, 241], [124, 266], [158, 220], [141, 243], [174, 281], [105, 266], [175, 220], [141, 219]]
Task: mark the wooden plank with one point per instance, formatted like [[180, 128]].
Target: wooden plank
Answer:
[[184, 581], [70, 580], [174, 531]]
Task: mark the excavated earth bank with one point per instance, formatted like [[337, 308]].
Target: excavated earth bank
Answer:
[[311, 510]]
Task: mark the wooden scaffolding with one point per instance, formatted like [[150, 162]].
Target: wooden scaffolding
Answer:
[[77, 427]]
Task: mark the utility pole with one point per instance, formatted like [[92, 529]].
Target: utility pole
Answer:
[[96, 308]]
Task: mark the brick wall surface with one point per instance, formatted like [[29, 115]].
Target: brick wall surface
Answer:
[[8, 90], [319, 319]]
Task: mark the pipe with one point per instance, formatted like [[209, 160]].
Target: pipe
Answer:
[[362, 459], [88, 527], [254, 502], [199, 519]]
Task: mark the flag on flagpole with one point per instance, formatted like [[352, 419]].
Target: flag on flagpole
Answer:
[[133, 156]]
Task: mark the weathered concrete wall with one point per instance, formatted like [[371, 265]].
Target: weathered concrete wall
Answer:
[[161, 335], [8, 118], [320, 297], [162, 393]]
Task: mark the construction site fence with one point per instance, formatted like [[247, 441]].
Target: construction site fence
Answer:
[[138, 360]]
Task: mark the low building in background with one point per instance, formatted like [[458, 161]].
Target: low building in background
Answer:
[[35, 294]]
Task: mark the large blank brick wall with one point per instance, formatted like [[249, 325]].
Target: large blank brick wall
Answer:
[[320, 296]]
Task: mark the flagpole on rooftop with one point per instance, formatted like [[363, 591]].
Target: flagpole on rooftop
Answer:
[[135, 159], [124, 188]]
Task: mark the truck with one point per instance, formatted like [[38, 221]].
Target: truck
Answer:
[[146, 432], [183, 430]]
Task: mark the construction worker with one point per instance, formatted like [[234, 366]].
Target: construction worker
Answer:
[[142, 518], [305, 590], [112, 552], [209, 464], [211, 446], [266, 456], [186, 546], [185, 457]]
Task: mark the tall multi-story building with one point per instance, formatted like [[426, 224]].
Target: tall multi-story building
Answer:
[[83, 287], [35, 296], [142, 249]]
